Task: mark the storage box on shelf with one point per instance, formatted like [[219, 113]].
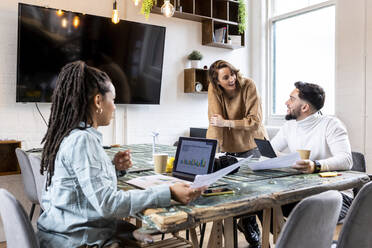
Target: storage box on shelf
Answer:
[[8, 159], [192, 77], [214, 15]]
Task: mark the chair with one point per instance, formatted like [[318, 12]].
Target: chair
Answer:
[[312, 222], [359, 164], [18, 229], [357, 228], [33, 181]]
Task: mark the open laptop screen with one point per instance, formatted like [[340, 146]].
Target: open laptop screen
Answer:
[[195, 156]]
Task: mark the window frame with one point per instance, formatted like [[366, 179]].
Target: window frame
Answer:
[[277, 119]]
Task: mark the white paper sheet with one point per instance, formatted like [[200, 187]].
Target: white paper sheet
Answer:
[[278, 162], [146, 182], [208, 179]]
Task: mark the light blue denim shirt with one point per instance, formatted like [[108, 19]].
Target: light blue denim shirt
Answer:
[[83, 202]]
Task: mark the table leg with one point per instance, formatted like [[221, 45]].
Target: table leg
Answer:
[[266, 227], [229, 232], [194, 238], [278, 221], [215, 239]]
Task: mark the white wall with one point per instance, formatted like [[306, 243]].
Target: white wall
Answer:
[[133, 123]]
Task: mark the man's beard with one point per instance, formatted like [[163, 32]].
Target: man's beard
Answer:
[[293, 115]]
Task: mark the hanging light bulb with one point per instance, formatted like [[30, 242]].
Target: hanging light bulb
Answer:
[[59, 12], [136, 2], [115, 13], [167, 9], [76, 22], [64, 23]]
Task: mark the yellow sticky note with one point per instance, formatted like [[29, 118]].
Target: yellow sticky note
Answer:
[[328, 174]]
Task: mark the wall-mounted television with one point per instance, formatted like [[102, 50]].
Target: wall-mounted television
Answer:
[[130, 53]]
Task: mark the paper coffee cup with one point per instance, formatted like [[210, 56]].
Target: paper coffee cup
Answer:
[[160, 162], [304, 154]]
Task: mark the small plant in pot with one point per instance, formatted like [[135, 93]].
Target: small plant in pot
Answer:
[[195, 57]]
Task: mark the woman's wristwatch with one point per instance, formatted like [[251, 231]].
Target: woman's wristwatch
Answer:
[[317, 166]]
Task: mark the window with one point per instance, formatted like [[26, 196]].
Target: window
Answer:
[[302, 48]]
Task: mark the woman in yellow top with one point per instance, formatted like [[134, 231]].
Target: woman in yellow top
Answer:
[[235, 119]]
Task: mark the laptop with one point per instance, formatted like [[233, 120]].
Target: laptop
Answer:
[[265, 148], [194, 156]]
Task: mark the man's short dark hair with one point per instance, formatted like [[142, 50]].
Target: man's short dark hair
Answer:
[[312, 93]]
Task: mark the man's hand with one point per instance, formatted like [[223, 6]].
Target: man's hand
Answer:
[[305, 166], [122, 160], [182, 192]]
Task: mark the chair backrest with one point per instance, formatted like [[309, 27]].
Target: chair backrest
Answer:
[[39, 179], [312, 222], [27, 176], [359, 163], [357, 228], [17, 227]]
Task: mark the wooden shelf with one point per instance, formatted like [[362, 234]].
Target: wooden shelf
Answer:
[[9, 162], [213, 14], [192, 76]]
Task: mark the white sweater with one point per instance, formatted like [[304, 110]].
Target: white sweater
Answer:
[[325, 136]]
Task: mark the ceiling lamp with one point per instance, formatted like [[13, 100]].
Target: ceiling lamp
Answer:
[[167, 9], [136, 2], [115, 13]]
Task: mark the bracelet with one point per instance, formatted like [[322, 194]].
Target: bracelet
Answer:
[[317, 166]]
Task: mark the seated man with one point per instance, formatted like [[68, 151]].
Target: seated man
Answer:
[[325, 136]]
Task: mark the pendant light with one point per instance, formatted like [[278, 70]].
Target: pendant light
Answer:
[[115, 13], [136, 2], [167, 9]]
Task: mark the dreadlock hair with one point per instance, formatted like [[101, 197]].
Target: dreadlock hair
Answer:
[[213, 74], [77, 84]]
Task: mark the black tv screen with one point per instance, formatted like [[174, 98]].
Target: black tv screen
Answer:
[[130, 53]]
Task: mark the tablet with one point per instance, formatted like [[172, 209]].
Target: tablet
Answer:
[[265, 148], [194, 156]]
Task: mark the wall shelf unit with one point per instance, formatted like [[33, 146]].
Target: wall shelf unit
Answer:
[[214, 16], [192, 77]]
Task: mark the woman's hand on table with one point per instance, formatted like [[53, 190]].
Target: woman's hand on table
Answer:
[[183, 193], [305, 166], [122, 160]]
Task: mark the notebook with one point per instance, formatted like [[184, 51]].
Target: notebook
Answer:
[[194, 156], [265, 148]]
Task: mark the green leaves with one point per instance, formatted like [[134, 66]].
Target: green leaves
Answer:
[[146, 7], [242, 16]]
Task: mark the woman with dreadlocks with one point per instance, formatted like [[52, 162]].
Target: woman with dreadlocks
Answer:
[[82, 206]]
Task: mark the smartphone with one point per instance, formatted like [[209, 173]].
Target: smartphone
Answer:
[[217, 191]]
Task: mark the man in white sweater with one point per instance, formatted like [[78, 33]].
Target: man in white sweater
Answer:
[[325, 136]]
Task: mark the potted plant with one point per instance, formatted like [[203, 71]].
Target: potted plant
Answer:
[[146, 7], [195, 57], [229, 41], [242, 16]]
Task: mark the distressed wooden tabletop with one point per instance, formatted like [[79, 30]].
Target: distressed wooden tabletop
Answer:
[[253, 191]]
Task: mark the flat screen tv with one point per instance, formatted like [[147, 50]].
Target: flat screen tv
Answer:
[[130, 53]]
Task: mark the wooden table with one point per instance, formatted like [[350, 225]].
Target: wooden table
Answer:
[[254, 191]]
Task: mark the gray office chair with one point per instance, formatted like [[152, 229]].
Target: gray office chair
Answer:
[[33, 181], [312, 222], [357, 228], [18, 229]]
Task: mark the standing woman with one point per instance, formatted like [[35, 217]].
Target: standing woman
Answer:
[[82, 205], [235, 119]]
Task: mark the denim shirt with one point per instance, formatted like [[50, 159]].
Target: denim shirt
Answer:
[[82, 203]]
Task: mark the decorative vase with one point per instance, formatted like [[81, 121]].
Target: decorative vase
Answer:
[[195, 63]]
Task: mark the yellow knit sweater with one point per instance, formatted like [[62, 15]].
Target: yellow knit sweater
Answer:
[[245, 110]]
